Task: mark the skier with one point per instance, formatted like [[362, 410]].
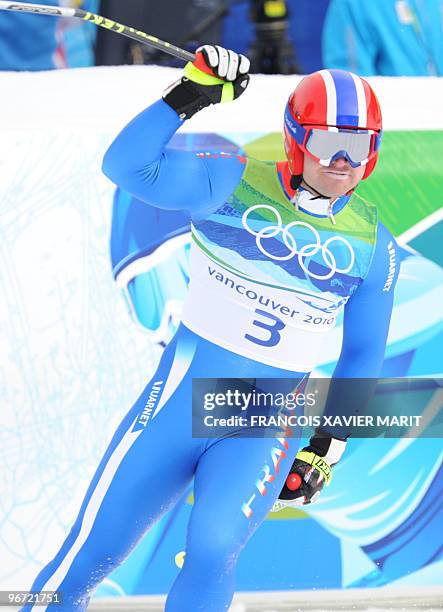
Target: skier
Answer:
[[278, 251]]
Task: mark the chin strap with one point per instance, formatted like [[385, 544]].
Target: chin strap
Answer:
[[319, 195], [295, 183]]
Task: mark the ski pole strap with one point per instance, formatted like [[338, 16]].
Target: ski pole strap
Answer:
[[318, 463]]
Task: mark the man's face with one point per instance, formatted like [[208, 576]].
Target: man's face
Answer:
[[332, 181]]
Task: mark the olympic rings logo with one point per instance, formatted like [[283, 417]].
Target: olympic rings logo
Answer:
[[271, 231]]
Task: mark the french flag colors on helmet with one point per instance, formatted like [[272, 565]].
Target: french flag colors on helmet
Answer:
[[334, 98]]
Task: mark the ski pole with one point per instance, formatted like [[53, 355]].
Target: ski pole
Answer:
[[98, 20]]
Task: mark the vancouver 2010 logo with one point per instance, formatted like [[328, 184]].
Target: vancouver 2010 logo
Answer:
[[308, 250]]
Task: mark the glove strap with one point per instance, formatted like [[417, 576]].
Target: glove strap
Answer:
[[318, 463]]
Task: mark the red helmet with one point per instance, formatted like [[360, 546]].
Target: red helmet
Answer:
[[331, 114]]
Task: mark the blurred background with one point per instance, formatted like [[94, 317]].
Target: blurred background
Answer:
[[381, 37]]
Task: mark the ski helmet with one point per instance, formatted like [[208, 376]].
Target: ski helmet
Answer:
[[332, 114]]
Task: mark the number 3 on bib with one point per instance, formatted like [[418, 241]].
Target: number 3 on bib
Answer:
[[273, 326]]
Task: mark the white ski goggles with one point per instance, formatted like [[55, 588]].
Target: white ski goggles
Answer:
[[357, 146]]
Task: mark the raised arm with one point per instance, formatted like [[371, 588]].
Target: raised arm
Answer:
[[139, 160]]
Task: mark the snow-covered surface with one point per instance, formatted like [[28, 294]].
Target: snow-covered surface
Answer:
[[329, 600], [111, 95]]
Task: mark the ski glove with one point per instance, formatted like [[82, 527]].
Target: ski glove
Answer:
[[312, 468], [216, 75]]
